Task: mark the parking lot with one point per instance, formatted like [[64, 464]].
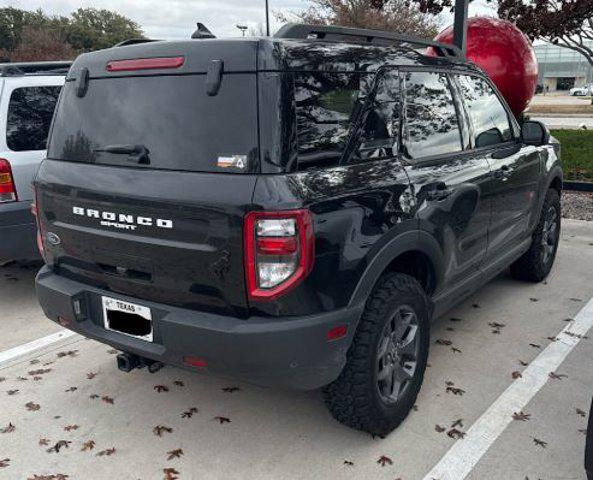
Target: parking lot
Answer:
[[66, 409]]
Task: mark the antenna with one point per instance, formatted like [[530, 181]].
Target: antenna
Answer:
[[202, 32]]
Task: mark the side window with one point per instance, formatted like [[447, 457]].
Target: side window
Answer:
[[432, 126], [30, 112], [326, 105], [488, 115], [380, 134]]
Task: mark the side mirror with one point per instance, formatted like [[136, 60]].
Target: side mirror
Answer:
[[535, 133]]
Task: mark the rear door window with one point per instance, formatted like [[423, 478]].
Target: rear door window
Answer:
[[171, 116], [326, 106], [489, 117], [432, 124], [30, 112]]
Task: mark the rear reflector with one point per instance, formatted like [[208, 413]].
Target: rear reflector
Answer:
[[7, 187], [145, 64], [195, 361], [337, 332]]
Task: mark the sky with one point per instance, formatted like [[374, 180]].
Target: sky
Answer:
[[176, 19]]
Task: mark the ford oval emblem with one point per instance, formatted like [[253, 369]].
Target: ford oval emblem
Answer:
[[53, 238]]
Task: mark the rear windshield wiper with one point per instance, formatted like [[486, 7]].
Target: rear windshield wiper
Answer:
[[136, 153]]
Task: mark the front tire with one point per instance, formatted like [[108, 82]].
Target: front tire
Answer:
[[536, 263], [387, 359]]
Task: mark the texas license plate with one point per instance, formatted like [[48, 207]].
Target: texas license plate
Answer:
[[127, 318]]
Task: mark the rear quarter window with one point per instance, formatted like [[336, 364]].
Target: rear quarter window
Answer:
[[30, 112]]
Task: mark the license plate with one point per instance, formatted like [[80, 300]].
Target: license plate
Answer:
[[127, 318]]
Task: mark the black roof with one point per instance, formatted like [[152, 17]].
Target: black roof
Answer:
[[16, 69], [295, 47]]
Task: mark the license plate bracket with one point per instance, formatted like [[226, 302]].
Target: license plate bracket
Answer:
[[127, 318]]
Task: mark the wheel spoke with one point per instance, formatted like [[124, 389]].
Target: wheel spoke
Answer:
[[387, 371], [408, 348]]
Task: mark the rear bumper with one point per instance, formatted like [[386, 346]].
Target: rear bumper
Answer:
[[290, 352], [17, 232]]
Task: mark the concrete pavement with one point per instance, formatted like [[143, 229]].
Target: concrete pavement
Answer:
[[72, 391]]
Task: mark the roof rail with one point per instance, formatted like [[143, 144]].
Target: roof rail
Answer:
[[17, 69], [135, 41], [361, 35]]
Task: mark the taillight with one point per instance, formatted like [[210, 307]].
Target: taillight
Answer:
[[40, 225], [7, 187], [279, 252], [145, 64]]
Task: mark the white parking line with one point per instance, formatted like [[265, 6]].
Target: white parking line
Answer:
[[26, 348], [462, 457]]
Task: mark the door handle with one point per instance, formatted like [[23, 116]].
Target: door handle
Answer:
[[439, 192]]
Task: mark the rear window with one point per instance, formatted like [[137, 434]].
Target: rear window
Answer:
[[170, 116], [30, 111]]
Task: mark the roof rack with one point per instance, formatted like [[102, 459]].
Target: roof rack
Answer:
[[17, 69], [135, 41], [361, 35]]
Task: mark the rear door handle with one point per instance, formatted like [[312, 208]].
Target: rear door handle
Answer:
[[439, 192]]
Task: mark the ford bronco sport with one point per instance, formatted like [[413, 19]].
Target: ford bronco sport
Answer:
[[292, 211]]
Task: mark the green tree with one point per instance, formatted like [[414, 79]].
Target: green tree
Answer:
[[93, 29]]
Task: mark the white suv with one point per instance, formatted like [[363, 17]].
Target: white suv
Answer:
[[582, 91], [28, 96]]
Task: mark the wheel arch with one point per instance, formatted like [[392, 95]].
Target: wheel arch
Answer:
[[415, 253]]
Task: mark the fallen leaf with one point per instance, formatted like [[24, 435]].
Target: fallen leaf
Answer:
[[455, 390], [71, 389], [161, 388], [70, 428], [32, 406], [475, 305], [457, 423], [170, 474], [41, 371], [348, 463], [442, 341], [107, 453], [525, 364], [12, 392], [107, 399], [383, 460], [540, 443], [581, 412], [455, 319], [22, 379], [59, 445], [496, 325], [91, 375], [174, 454], [455, 350], [160, 429], [57, 476], [516, 375], [535, 345], [94, 396], [222, 419], [231, 389], [4, 462], [35, 361], [112, 351], [439, 429], [88, 445], [43, 442], [583, 431], [189, 413], [534, 299], [521, 416], [179, 383], [8, 429], [575, 299], [456, 434], [69, 353], [556, 376]]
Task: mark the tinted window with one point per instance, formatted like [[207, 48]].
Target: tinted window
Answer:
[[489, 117], [380, 135], [326, 105], [182, 127], [30, 111], [432, 127]]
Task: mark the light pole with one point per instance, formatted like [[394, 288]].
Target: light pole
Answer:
[[267, 19], [243, 28]]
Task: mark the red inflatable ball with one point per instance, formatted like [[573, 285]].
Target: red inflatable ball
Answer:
[[505, 54]]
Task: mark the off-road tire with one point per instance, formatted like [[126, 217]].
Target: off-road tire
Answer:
[[353, 398], [532, 267]]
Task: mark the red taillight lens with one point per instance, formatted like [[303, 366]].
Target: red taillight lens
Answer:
[[145, 64], [279, 252], [7, 187]]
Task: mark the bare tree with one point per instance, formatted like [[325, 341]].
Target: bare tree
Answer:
[[40, 44], [399, 16]]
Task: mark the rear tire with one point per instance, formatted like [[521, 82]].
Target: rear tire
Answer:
[[387, 359], [536, 263]]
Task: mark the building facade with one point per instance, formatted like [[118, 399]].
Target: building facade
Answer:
[[561, 68]]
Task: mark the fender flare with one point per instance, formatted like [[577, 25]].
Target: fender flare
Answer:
[[415, 240]]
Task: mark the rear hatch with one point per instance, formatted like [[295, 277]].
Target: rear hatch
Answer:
[[150, 172]]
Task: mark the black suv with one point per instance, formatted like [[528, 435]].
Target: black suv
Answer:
[[292, 211]]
